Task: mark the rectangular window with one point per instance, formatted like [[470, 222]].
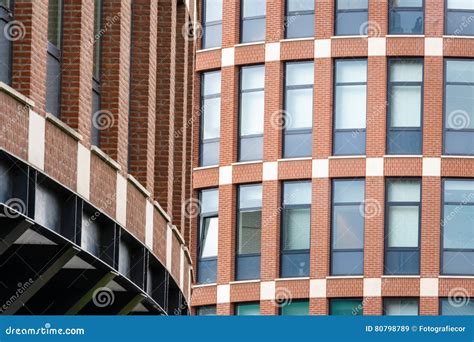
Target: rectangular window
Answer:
[[208, 236], [212, 24], [351, 17], [53, 77], [450, 307], [459, 107], [400, 307], [96, 68], [296, 224], [207, 310], [406, 17], [350, 106], [457, 227], [299, 21], [459, 17], [345, 307], [252, 92], [295, 308], [298, 114], [403, 217], [405, 95], [6, 42], [210, 118], [347, 227], [249, 223], [247, 309], [253, 21]]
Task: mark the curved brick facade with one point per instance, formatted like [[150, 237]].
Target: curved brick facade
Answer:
[[430, 285], [138, 176]]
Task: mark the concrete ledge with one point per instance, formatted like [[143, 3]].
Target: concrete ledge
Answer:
[[17, 95], [138, 185], [105, 157], [63, 126]]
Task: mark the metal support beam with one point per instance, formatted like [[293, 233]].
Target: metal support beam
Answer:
[[132, 304], [74, 310], [6, 240], [42, 279]]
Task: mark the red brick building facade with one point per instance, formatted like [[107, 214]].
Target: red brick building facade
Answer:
[[322, 167]]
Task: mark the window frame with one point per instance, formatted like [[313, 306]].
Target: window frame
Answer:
[[96, 82], [442, 226], [445, 84], [238, 304], [331, 222], [56, 53], [282, 221], [299, 300], [332, 300], [237, 235], [386, 299], [242, 19], [7, 15], [334, 101], [202, 98], [239, 128], [298, 131], [390, 85], [337, 11], [446, 12], [446, 299], [206, 24], [201, 218], [405, 9], [289, 13], [386, 224]]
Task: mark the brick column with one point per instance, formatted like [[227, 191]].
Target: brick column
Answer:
[[273, 121], [29, 53], [378, 18], [376, 106], [164, 100], [434, 18], [430, 227], [229, 116], [433, 106], [320, 228], [324, 20], [323, 108], [230, 23], [275, 13], [142, 118], [226, 246], [115, 78], [271, 213]]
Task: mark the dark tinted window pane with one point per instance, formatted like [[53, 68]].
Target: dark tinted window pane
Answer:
[[295, 308], [212, 36], [5, 54], [208, 310], [402, 262], [47, 208], [458, 263], [249, 233], [406, 22], [53, 86], [456, 23], [347, 263], [295, 264], [351, 23], [55, 22], [253, 30], [404, 142], [251, 148], [459, 143], [349, 142], [207, 271], [210, 153], [248, 267], [247, 309], [297, 145], [300, 25], [450, 307], [346, 307]]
